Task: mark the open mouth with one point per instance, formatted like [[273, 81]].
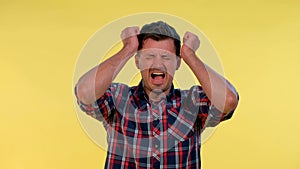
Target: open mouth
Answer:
[[157, 78], [157, 74]]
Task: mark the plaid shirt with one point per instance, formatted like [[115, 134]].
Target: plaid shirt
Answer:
[[144, 134]]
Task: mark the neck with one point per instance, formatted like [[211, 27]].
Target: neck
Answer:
[[156, 96]]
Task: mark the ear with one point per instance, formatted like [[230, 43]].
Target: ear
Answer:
[[178, 63], [137, 61]]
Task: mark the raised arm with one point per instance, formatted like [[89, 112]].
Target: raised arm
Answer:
[[93, 84], [221, 93]]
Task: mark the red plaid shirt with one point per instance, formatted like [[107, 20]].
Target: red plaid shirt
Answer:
[[144, 134]]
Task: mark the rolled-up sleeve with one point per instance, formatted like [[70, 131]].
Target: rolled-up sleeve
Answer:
[[103, 107], [208, 114]]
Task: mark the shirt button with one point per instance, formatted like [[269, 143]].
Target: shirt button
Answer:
[[156, 146]]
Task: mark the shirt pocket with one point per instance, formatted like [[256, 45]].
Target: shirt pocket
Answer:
[[180, 124]]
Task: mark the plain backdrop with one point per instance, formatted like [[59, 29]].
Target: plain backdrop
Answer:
[[257, 42]]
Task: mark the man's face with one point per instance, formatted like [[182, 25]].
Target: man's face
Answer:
[[157, 62]]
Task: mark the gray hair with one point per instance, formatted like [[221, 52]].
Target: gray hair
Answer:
[[159, 31], [161, 28]]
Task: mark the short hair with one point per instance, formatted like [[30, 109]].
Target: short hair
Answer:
[[159, 31]]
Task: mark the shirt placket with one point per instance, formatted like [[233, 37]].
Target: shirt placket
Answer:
[[158, 134], [156, 130]]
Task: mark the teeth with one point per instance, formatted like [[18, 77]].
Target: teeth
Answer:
[[158, 74], [153, 75]]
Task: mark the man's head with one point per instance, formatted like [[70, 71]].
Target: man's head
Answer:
[[159, 31], [158, 56]]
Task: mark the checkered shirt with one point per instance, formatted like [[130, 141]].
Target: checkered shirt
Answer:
[[145, 134]]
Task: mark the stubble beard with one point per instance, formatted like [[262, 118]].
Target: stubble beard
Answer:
[[157, 94]]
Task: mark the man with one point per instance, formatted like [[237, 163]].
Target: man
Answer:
[[153, 125]]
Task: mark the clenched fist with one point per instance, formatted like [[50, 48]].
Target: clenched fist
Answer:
[[129, 38], [191, 43]]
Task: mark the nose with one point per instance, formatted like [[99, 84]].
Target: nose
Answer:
[[157, 62]]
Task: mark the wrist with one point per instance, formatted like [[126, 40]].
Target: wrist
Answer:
[[128, 51], [186, 52]]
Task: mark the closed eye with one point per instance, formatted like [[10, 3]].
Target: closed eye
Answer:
[[166, 57], [149, 56]]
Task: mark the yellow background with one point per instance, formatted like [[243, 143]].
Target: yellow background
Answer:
[[258, 43]]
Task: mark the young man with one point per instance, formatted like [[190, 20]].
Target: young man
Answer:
[[153, 125]]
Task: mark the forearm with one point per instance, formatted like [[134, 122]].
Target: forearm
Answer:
[[93, 84], [221, 93]]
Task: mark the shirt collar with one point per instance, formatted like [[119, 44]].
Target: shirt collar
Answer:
[[142, 97]]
